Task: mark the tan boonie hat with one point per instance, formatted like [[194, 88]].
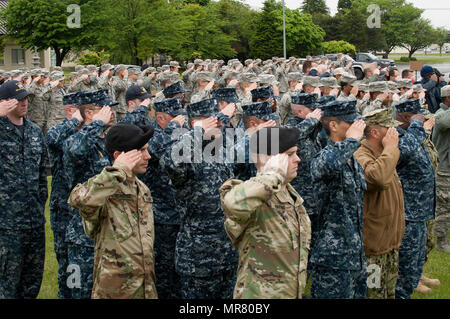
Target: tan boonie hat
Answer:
[[445, 91], [294, 77], [348, 78], [312, 81], [248, 77], [329, 82], [382, 117], [404, 83], [267, 79], [379, 86]]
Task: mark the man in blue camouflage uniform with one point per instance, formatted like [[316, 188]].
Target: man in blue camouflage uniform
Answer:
[[225, 96], [166, 205], [416, 174], [305, 116], [205, 258], [60, 213], [85, 155], [23, 194], [337, 256], [175, 90]]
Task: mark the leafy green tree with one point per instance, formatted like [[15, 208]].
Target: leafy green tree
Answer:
[[344, 4], [442, 36], [423, 35], [91, 57], [353, 28], [339, 47], [314, 6]]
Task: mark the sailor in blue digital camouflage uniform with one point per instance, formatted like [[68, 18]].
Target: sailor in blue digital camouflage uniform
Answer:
[[23, 194], [225, 96], [417, 176], [175, 90], [138, 101], [337, 255], [305, 116], [85, 155], [167, 207], [60, 213], [205, 258]]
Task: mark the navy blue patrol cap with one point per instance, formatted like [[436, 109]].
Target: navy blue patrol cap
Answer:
[[125, 137], [13, 90], [207, 107], [226, 94], [170, 106], [412, 105], [101, 98], [136, 92], [273, 140], [174, 88], [321, 101], [343, 110], [71, 99], [306, 99], [262, 92], [261, 110]]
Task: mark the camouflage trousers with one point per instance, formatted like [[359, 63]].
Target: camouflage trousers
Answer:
[[167, 279], [442, 225], [411, 258], [314, 219], [61, 255], [22, 255], [431, 243], [80, 270], [327, 283], [382, 275], [218, 286]]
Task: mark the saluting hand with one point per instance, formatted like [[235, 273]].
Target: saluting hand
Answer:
[[7, 106], [77, 115], [356, 130], [104, 115], [316, 114], [428, 125], [130, 159], [229, 110], [275, 163], [391, 138], [179, 119]]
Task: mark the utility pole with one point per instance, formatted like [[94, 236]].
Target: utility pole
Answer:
[[284, 32]]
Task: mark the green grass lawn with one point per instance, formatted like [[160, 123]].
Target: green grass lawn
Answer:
[[437, 266], [428, 58]]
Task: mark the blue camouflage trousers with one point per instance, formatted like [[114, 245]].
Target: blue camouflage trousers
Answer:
[[411, 258], [167, 279], [327, 283], [218, 286], [61, 255], [80, 270], [22, 255]]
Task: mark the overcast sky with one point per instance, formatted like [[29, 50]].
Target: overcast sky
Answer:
[[440, 16]]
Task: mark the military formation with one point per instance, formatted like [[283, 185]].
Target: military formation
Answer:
[[214, 180]]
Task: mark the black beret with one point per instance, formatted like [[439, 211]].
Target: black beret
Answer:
[[126, 137], [273, 140]]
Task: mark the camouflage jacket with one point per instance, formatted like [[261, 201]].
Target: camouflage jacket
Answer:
[[344, 97], [60, 213], [81, 85], [119, 88], [23, 178], [416, 173], [37, 104], [202, 247], [308, 145], [116, 208], [340, 185], [85, 155], [441, 137], [284, 106], [272, 232], [55, 107]]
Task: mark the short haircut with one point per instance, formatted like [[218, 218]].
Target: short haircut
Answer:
[[83, 109], [306, 65], [326, 123], [405, 73], [369, 128], [247, 118]]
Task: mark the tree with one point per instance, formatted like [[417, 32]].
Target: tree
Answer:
[[344, 4], [422, 36], [339, 47], [353, 28], [43, 24], [442, 36], [314, 6]]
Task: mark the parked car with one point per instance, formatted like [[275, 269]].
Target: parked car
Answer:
[[369, 58]]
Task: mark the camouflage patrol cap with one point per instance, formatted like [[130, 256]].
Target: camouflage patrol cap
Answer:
[[294, 77], [343, 110], [26, 75], [174, 64], [120, 67], [165, 67], [106, 67], [151, 70], [158, 69], [329, 82], [45, 73], [204, 76], [208, 60], [174, 88], [73, 75], [404, 83], [35, 72], [78, 68], [207, 107], [135, 71], [248, 77], [248, 61], [92, 67], [445, 91], [85, 97], [382, 117], [84, 72], [57, 76], [312, 81], [338, 71], [198, 61], [418, 88], [323, 100], [258, 60], [71, 99], [348, 78], [231, 75], [226, 94], [307, 99], [214, 61], [236, 63], [262, 92], [267, 79], [15, 73], [170, 106], [6, 74], [379, 86], [2, 73], [57, 68], [362, 87], [261, 110], [411, 105], [392, 87], [273, 140], [189, 65]]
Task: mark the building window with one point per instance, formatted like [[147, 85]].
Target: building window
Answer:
[[18, 56]]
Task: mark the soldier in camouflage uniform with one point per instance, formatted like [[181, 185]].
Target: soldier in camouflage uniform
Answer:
[[85, 155], [205, 258], [166, 79], [204, 85], [418, 182], [55, 109], [284, 107], [38, 106], [247, 82], [337, 255], [116, 208], [225, 96], [267, 223], [349, 89], [85, 82], [60, 214], [105, 78], [379, 98], [119, 87], [23, 194]]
